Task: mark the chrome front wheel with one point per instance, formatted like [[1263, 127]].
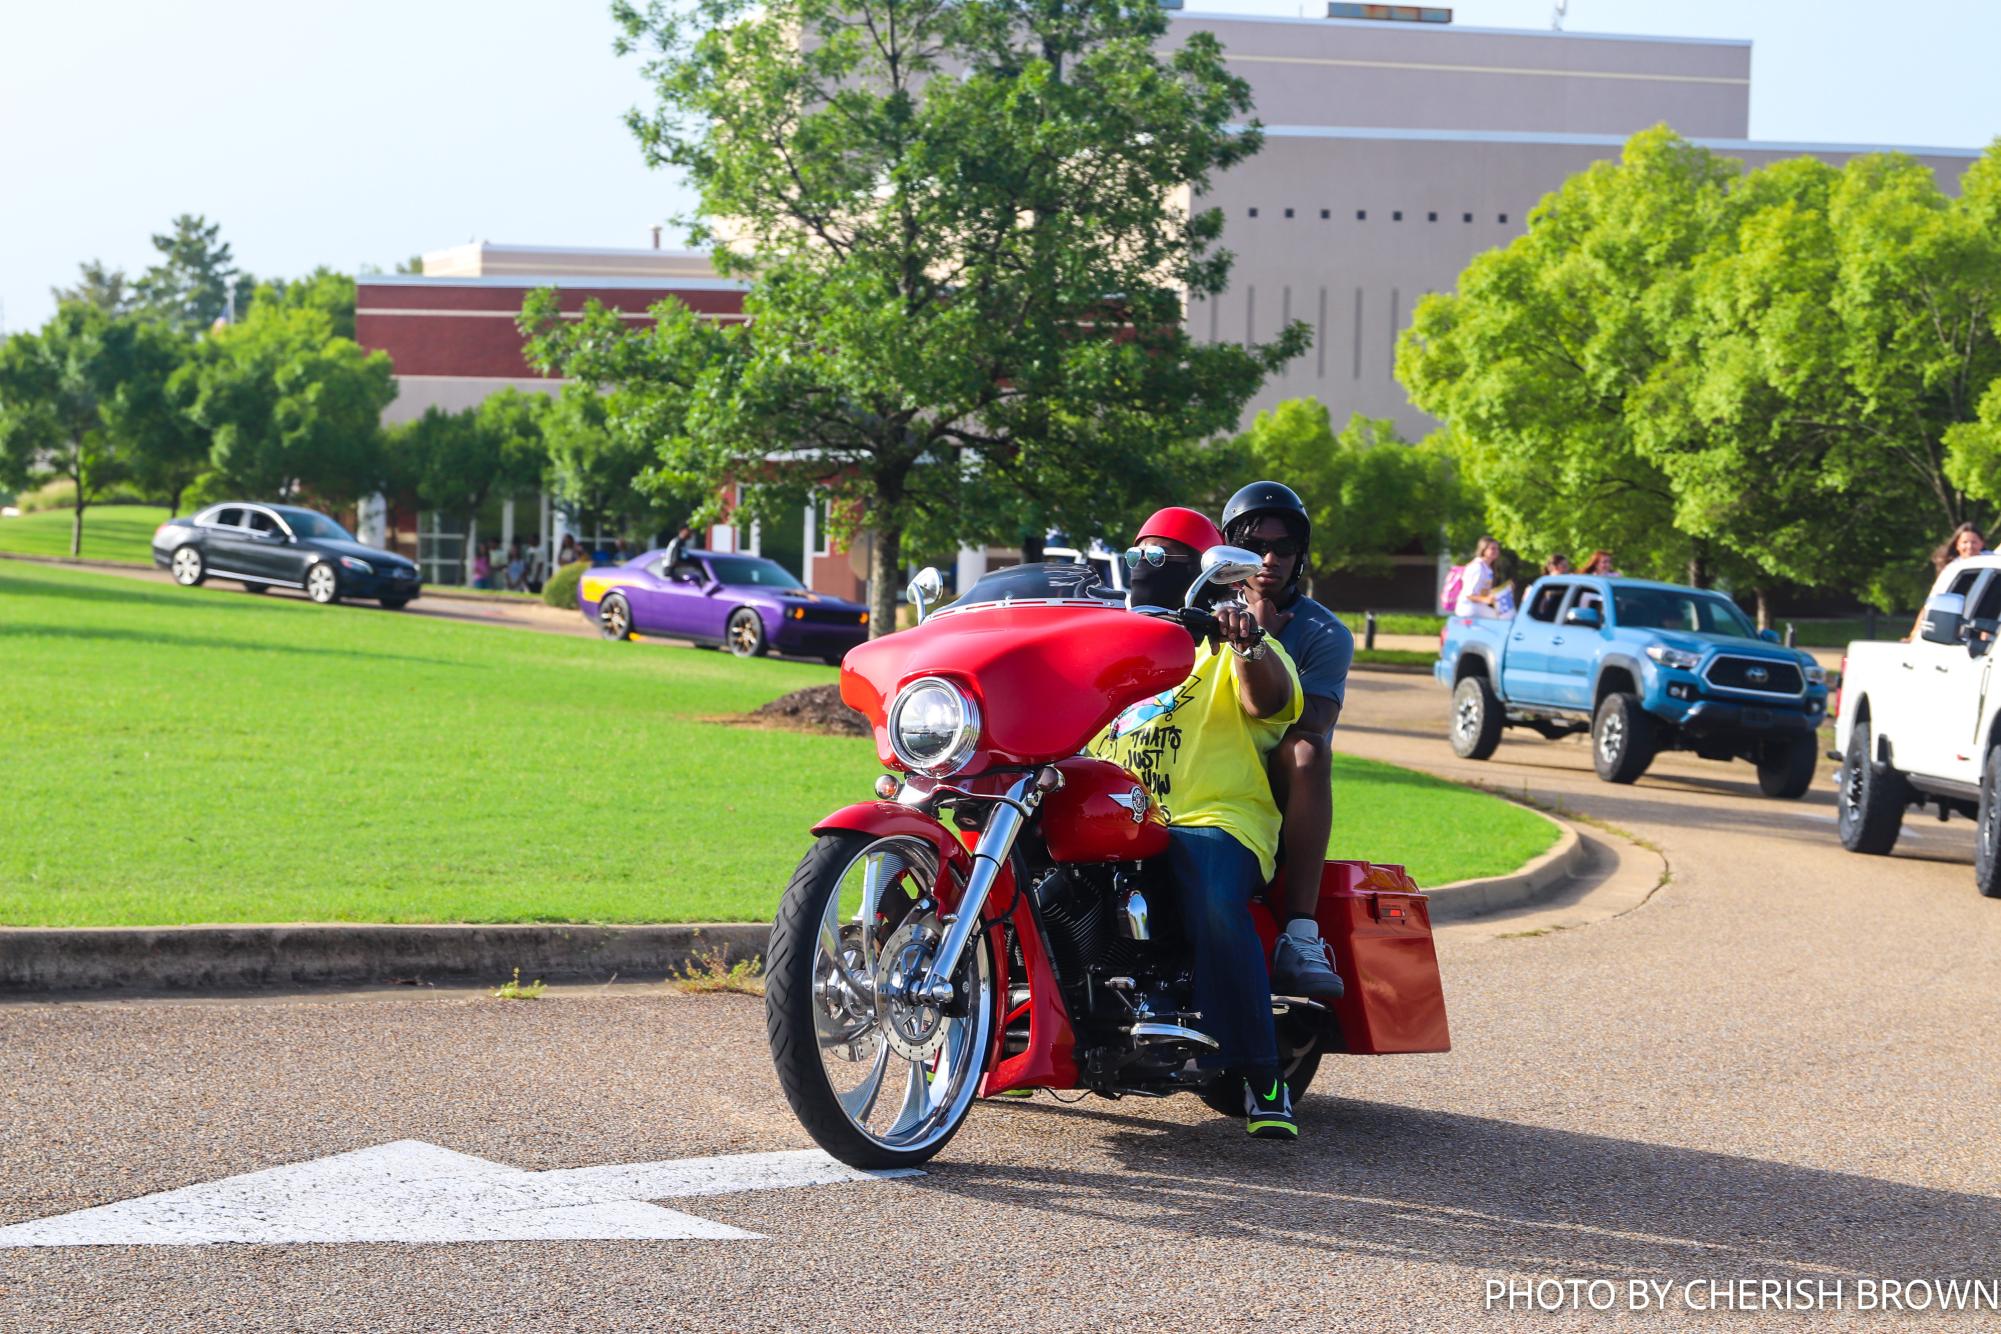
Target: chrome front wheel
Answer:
[[878, 1076]]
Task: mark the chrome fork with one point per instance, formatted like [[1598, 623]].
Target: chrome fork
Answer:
[[1010, 814]]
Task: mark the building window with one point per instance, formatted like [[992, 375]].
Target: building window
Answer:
[[1468, 218], [1431, 217], [1326, 213], [1503, 219], [1254, 213], [1361, 215]]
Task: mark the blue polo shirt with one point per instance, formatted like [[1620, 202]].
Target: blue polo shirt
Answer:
[[1321, 647]]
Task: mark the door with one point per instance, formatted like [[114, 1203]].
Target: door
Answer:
[[1575, 651], [1939, 701], [678, 606], [226, 544], [1962, 689], [269, 552], [1527, 671]]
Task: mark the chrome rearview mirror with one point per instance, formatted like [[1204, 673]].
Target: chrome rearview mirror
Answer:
[[925, 589], [1223, 565]]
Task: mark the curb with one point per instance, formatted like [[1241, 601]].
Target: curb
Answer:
[[1539, 880], [186, 958]]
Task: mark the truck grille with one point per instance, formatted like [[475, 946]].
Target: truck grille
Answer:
[[1758, 675]]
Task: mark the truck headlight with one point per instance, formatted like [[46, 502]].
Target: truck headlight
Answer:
[[1679, 658], [934, 727], [1816, 675]]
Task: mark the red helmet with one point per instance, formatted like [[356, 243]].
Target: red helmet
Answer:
[[1180, 524]]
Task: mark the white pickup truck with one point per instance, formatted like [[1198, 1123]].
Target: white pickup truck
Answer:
[[1916, 722]]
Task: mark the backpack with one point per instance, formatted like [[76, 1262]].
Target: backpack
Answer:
[[1455, 578]]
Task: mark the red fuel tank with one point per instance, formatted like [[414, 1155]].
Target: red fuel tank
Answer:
[[1101, 814]]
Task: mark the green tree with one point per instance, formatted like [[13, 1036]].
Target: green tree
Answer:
[[456, 461], [106, 289], [966, 316], [76, 397], [323, 289], [293, 408], [196, 278], [1369, 494], [594, 467]]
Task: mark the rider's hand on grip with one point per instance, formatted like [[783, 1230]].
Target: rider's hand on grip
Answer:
[[1200, 625]]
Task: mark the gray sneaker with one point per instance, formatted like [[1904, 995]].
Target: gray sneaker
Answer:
[[1300, 968]]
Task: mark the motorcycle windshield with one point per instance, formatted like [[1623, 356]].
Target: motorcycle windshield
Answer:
[[1048, 665]]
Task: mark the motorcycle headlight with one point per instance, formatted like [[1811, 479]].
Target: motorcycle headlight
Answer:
[[358, 566], [934, 727], [1674, 657]]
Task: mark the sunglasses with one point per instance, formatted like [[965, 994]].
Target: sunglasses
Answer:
[[1277, 546], [1152, 555]]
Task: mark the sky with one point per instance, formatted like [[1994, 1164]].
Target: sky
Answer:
[[366, 132]]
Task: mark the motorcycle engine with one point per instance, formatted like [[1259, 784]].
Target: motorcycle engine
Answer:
[[1078, 909]]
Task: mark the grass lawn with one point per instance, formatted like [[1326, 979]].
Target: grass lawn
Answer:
[[110, 532], [1394, 657], [195, 755]]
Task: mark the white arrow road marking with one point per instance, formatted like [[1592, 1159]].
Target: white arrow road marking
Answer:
[[410, 1191]]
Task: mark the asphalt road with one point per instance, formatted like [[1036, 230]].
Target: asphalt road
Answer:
[[1781, 1065]]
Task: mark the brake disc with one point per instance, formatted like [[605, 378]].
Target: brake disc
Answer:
[[914, 1031]]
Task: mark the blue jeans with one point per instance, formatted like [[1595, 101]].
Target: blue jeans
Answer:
[[1214, 877]]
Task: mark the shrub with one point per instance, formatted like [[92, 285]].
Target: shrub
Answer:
[[561, 590], [60, 494]]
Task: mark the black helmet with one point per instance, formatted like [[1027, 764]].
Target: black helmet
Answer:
[[1260, 498]]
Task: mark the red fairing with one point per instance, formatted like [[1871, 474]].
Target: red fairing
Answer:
[[1101, 814], [1046, 678]]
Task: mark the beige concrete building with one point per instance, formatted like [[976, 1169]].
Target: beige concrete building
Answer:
[[1395, 152]]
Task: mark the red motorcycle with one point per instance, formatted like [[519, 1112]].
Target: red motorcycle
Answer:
[[999, 919]]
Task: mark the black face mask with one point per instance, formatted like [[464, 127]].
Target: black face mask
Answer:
[[1163, 585]]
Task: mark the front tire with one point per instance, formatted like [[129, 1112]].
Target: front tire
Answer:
[[877, 1082], [1873, 797], [323, 584], [1987, 840], [1476, 719], [746, 634], [1785, 768], [187, 565], [615, 618], [1622, 738]]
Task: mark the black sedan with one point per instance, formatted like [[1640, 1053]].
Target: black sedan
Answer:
[[282, 546]]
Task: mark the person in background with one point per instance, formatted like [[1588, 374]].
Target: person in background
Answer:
[[1267, 519], [684, 538], [538, 572], [517, 569], [1476, 585], [1556, 564], [1965, 541], [570, 554], [1600, 564]]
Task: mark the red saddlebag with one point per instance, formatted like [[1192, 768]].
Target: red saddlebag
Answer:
[[1380, 927]]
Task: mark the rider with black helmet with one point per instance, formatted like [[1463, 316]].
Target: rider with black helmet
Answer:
[[1268, 519]]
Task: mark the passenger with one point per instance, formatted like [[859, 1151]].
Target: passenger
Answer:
[[1268, 519], [1601, 564], [1965, 541], [1556, 564], [1476, 585], [1201, 748]]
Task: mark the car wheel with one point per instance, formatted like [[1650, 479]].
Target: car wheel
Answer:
[[1476, 719], [254, 588], [1987, 843], [394, 604], [1622, 738], [1873, 797], [746, 634], [323, 584], [615, 618], [187, 566], [1785, 768]]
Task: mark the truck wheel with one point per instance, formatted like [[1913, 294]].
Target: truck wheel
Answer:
[[1622, 738], [1476, 719], [1873, 798], [1987, 843], [1785, 768]]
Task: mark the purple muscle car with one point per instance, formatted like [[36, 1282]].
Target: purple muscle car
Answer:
[[746, 604]]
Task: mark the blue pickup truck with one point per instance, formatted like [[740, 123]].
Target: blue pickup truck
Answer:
[[1645, 667]]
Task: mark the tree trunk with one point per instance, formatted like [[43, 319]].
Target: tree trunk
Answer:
[[1764, 609], [885, 576], [76, 525], [1698, 571], [174, 499]]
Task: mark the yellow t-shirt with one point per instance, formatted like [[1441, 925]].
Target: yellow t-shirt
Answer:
[[1202, 756]]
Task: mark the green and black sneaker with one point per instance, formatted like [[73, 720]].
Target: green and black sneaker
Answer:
[[1268, 1115]]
